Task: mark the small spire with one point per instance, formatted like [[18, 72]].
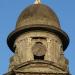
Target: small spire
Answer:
[[37, 2]]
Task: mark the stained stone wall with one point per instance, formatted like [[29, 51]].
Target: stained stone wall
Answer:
[[42, 74], [25, 42]]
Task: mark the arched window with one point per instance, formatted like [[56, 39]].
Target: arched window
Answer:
[[39, 51]]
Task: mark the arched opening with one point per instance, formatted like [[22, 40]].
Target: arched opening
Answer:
[[38, 57], [39, 50]]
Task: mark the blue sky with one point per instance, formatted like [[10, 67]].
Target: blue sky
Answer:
[[11, 9]]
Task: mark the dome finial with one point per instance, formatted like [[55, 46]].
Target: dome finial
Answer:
[[37, 1]]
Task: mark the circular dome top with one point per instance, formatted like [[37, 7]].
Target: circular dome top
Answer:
[[38, 14], [37, 17]]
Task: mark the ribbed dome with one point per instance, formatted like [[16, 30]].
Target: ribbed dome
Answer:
[[38, 14]]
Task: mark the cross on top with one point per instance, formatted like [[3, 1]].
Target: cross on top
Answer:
[[37, 1]]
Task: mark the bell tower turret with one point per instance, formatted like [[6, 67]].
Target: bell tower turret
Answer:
[[38, 43]]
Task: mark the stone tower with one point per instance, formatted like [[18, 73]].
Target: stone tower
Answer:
[[38, 43]]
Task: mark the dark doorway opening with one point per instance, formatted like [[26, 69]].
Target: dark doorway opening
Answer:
[[38, 57]]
